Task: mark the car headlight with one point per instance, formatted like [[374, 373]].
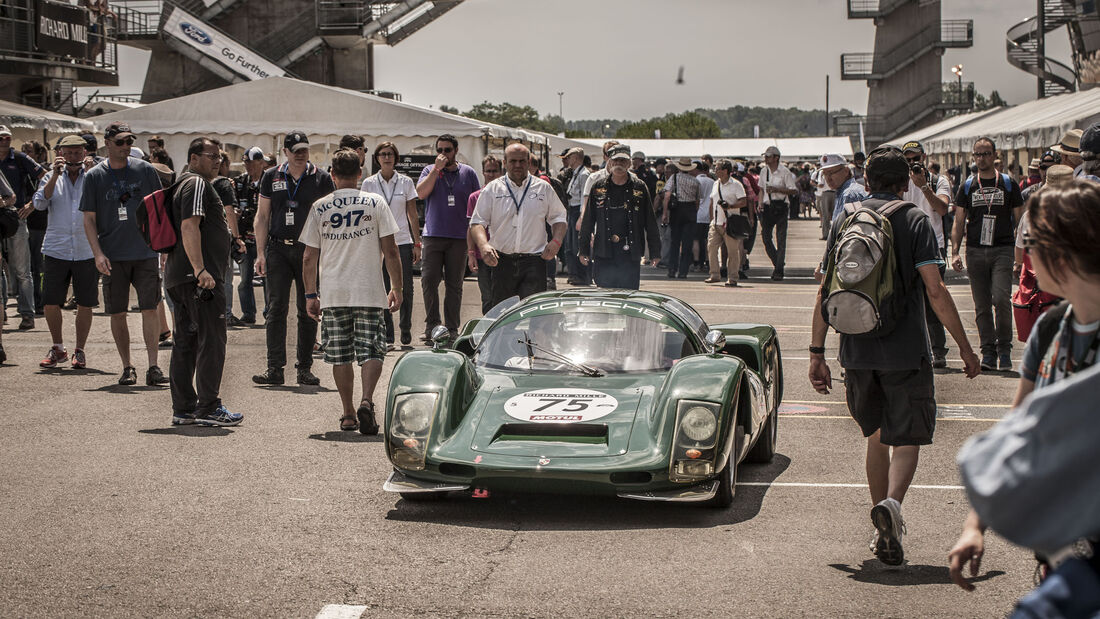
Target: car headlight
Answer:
[[698, 424], [694, 447], [410, 428]]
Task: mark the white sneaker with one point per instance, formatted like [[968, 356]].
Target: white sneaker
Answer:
[[890, 527]]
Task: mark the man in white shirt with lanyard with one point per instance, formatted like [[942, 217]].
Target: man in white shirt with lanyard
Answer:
[[399, 191], [515, 210], [776, 184]]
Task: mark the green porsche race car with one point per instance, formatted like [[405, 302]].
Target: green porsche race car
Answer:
[[624, 393]]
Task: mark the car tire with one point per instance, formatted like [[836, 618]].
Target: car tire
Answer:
[[764, 449], [727, 482], [423, 497]]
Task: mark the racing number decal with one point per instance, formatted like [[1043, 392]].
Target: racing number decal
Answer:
[[560, 405], [336, 219]]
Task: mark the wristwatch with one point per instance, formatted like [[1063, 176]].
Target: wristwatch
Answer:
[[312, 295]]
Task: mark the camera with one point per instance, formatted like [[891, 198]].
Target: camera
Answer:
[[203, 294], [723, 204], [917, 168]]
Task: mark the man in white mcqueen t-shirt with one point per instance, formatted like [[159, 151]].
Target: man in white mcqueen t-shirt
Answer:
[[347, 233]]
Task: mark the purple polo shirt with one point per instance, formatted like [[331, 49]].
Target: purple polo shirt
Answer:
[[441, 219]]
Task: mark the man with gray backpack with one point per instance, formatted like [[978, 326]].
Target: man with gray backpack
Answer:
[[880, 263]]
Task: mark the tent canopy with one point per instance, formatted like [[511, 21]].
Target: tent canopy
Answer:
[[1035, 124], [17, 116], [942, 126], [751, 148]]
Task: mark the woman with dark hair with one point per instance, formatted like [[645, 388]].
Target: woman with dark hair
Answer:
[[1063, 242], [399, 192]]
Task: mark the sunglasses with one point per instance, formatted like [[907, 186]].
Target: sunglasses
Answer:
[[984, 154], [447, 150], [124, 142]]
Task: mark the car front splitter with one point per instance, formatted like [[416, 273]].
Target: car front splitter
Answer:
[[399, 482]]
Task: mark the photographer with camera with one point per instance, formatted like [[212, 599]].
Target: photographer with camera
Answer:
[[247, 188], [192, 276], [932, 194], [730, 223]]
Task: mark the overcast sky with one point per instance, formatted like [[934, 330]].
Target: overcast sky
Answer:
[[525, 51]]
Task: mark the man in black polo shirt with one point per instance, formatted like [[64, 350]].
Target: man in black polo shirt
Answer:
[[991, 206], [286, 194]]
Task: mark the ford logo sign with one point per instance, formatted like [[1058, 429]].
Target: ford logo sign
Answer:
[[196, 33]]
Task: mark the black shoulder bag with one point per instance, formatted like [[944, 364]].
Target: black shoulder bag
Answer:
[[737, 225]]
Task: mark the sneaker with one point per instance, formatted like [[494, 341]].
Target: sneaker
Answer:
[[406, 338], [219, 417], [777, 275], [367, 425], [154, 376], [886, 516], [27, 323], [79, 362], [129, 376], [711, 280], [939, 362], [1004, 363], [165, 343], [183, 418], [989, 362], [874, 542], [271, 376], [55, 356], [305, 377], [248, 320], [233, 321], [3, 355]]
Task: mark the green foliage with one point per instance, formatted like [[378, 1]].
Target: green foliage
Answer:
[[448, 109], [511, 115], [738, 121], [688, 125]]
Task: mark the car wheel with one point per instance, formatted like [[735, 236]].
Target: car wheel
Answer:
[[727, 481], [764, 449], [423, 497]]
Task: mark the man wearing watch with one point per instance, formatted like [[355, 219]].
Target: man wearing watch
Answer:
[[193, 275], [349, 234], [889, 385]]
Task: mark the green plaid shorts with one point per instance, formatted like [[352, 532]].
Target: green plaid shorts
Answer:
[[353, 334]]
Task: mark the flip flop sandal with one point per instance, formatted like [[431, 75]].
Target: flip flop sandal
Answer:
[[348, 424]]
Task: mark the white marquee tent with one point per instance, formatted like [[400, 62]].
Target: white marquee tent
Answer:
[[31, 123], [750, 148], [259, 113]]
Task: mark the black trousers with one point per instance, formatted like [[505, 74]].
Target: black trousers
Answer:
[[681, 222], [620, 271], [444, 260], [405, 314], [485, 285], [775, 217], [517, 275], [198, 356], [284, 265]]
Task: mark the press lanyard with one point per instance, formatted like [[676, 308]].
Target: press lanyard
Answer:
[[508, 186], [986, 200], [450, 184], [297, 184], [382, 186]]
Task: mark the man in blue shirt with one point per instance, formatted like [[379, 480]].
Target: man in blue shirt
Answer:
[[68, 257], [113, 190], [18, 169]]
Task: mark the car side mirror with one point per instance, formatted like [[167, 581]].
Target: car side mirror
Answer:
[[441, 337], [715, 340]]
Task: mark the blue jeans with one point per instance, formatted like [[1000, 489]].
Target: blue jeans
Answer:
[[19, 264], [246, 296]]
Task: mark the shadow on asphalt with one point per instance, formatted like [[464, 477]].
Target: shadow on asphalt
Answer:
[[555, 512], [129, 389], [343, 436], [302, 389], [875, 572], [191, 431], [68, 371]]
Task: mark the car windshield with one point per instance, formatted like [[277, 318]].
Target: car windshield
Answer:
[[598, 337]]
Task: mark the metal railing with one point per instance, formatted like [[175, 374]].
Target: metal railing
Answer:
[[867, 9], [17, 27], [957, 32], [298, 30], [883, 126], [138, 20], [1022, 51], [342, 16]]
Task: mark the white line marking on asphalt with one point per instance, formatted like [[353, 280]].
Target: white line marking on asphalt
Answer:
[[843, 403], [341, 611], [294, 498], [805, 416], [803, 484]]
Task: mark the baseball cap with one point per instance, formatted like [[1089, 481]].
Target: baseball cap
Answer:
[[295, 141], [71, 140], [117, 130], [859, 156], [661, 161], [831, 160], [1090, 143], [619, 151], [5, 131], [771, 150], [638, 155], [253, 154], [887, 161], [137, 153], [90, 143], [912, 146], [576, 150]]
